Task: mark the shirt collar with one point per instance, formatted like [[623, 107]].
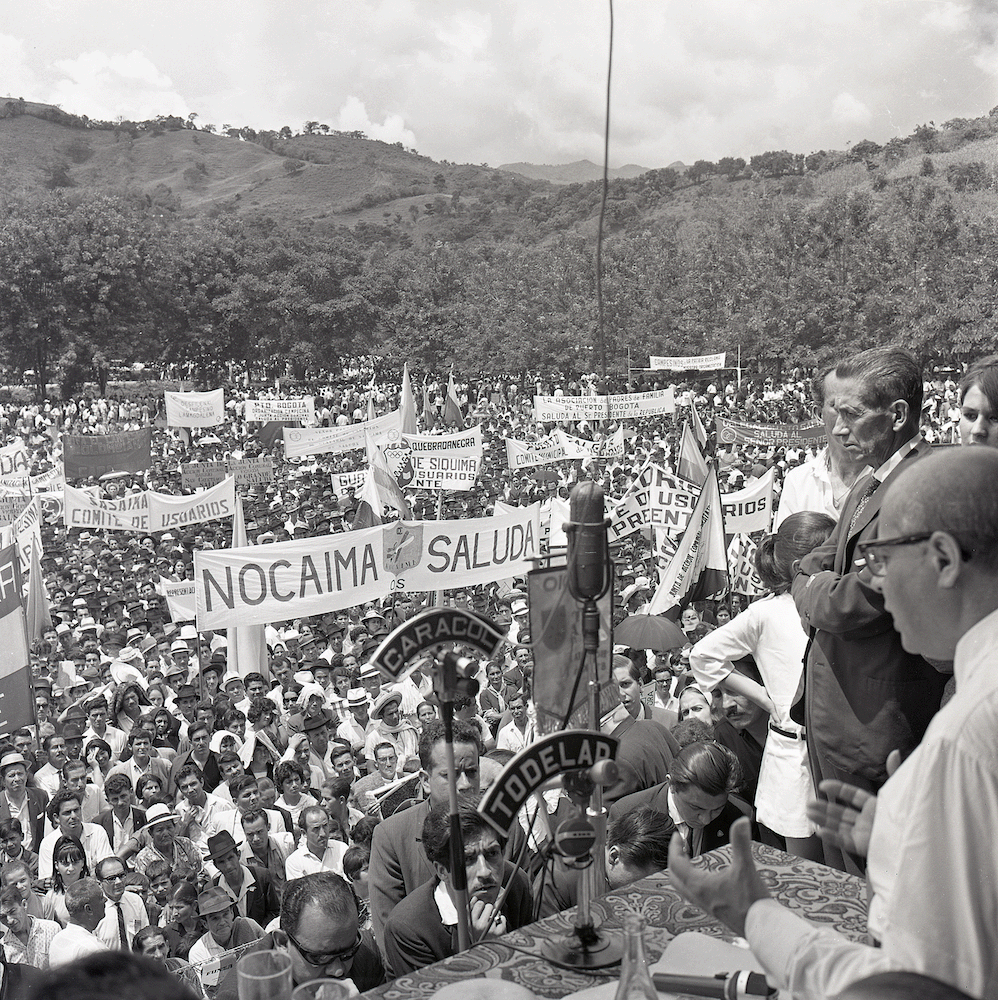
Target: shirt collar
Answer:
[[445, 905], [973, 658], [897, 458]]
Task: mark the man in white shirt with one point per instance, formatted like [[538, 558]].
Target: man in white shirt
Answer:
[[199, 814], [124, 911], [99, 729], [931, 864], [65, 811], [85, 905], [49, 776], [519, 731], [318, 852]]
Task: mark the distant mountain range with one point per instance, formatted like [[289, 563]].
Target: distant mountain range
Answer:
[[579, 172]]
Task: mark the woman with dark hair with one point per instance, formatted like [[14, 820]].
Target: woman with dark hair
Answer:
[[979, 403], [69, 865], [182, 924], [770, 631], [127, 708]]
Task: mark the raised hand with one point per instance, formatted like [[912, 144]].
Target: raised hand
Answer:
[[728, 894]]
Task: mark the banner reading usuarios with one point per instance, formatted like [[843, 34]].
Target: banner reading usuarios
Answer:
[[616, 407], [259, 584], [195, 409]]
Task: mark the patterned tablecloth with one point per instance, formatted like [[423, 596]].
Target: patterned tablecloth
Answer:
[[823, 895]]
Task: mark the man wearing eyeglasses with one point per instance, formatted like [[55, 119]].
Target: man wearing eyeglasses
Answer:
[[928, 834], [124, 911], [864, 694]]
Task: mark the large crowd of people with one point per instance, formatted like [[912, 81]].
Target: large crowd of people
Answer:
[[164, 804]]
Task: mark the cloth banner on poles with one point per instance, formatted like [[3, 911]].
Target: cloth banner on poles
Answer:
[[195, 409], [657, 498], [703, 363], [14, 459], [312, 576], [749, 509], [741, 567], [25, 533], [437, 461], [301, 441], [615, 407], [699, 569], [16, 699], [805, 435], [51, 480], [86, 455], [299, 408], [180, 600], [168, 512], [342, 481]]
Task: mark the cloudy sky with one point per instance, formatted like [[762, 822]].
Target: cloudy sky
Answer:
[[496, 81]]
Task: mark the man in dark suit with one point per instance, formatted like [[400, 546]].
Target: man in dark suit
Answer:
[[864, 695], [252, 889], [122, 820], [422, 929], [13, 778]]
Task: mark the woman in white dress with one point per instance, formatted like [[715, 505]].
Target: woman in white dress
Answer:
[[770, 630]]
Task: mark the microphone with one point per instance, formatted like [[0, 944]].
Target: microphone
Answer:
[[739, 985], [588, 548], [458, 674]]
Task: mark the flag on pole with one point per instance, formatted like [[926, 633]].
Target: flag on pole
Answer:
[[692, 465], [407, 403], [380, 489], [699, 431], [452, 408], [370, 399], [741, 562], [247, 644], [429, 417], [699, 569], [37, 614]]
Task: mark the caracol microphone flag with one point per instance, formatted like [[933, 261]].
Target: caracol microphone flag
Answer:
[[699, 569], [452, 408], [407, 403], [247, 643], [692, 465]]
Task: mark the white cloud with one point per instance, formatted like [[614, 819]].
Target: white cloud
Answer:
[[105, 86], [353, 117], [847, 109], [946, 16], [18, 79]]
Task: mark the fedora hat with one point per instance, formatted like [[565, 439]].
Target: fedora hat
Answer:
[[221, 844]]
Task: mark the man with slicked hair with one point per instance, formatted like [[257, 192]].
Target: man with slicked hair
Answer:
[[928, 834], [864, 695]]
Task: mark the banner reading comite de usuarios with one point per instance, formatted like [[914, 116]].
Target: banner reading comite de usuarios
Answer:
[[257, 584]]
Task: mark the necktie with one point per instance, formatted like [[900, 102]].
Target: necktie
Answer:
[[122, 933], [871, 488]]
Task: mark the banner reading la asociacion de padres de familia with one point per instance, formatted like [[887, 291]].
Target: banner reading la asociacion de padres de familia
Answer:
[[257, 584]]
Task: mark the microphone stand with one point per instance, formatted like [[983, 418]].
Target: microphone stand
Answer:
[[446, 688]]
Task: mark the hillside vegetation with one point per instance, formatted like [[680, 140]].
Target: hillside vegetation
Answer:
[[164, 242]]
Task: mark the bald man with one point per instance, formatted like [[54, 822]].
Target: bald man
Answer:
[[929, 834]]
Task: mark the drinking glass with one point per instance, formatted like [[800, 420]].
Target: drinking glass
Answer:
[[322, 989], [264, 975]]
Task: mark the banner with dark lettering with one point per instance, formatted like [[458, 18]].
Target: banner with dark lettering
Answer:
[[437, 461], [702, 362], [16, 708], [615, 407], [658, 498], [195, 409], [14, 459], [169, 512], [311, 576], [88, 455], [180, 600], [299, 408], [300, 441], [749, 509], [83, 510], [778, 435]]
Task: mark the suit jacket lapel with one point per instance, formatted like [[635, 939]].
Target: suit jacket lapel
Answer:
[[874, 503]]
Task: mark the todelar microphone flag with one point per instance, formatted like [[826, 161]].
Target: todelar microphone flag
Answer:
[[699, 569]]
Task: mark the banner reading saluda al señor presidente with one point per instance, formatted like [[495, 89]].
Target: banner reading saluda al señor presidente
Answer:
[[256, 584]]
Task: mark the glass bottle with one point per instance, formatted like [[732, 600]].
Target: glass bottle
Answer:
[[635, 979]]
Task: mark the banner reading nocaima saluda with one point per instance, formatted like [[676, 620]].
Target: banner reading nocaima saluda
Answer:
[[616, 407], [86, 455], [257, 584], [299, 441], [15, 672], [149, 511], [779, 435], [299, 408], [195, 409]]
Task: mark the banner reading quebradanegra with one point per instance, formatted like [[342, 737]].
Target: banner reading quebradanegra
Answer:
[[87, 455], [195, 409], [617, 407], [437, 461], [257, 584], [780, 435]]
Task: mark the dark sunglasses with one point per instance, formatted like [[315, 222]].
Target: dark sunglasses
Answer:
[[325, 958]]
